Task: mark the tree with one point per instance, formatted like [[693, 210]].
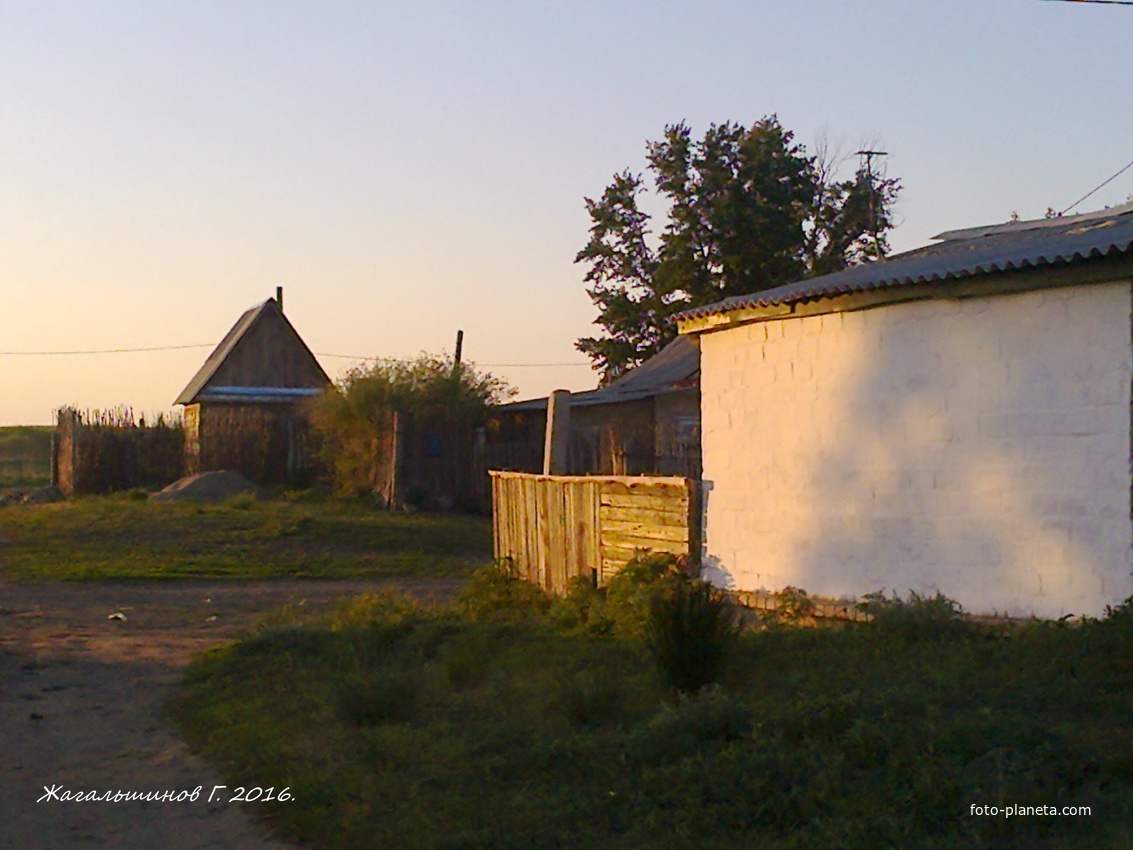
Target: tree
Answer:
[[354, 423], [748, 210]]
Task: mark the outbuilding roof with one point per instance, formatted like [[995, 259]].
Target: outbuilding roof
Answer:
[[964, 253], [674, 368], [199, 389]]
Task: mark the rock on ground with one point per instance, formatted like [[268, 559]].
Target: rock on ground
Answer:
[[207, 487]]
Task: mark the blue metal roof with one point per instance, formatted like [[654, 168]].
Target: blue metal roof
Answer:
[[961, 253]]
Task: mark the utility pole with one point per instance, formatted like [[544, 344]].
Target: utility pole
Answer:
[[868, 156], [455, 424], [456, 357]]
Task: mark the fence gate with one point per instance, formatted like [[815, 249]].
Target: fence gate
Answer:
[[556, 527]]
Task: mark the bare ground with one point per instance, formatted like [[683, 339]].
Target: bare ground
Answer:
[[80, 698]]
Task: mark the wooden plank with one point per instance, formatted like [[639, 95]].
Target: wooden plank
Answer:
[[622, 550], [664, 501], [613, 530], [649, 517], [627, 486]]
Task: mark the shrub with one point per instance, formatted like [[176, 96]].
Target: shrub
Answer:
[[497, 592], [592, 698], [468, 660], [691, 726], [582, 610], [630, 594], [690, 633], [916, 618]]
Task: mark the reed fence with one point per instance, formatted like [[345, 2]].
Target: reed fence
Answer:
[[555, 527], [103, 451]]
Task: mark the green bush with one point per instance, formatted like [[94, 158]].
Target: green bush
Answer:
[[496, 592], [918, 617], [592, 698], [582, 609], [690, 633], [630, 594]]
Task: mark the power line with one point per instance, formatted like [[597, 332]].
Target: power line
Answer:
[[405, 360], [1119, 173], [104, 350], [1107, 2], [213, 345]]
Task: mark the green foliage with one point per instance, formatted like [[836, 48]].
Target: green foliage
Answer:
[[592, 697], [747, 209], [916, 618], [630, 594], [354, 424], [497, 593], [698, 721], [582, 609], [690, 633], [855, 737], [795, 605]]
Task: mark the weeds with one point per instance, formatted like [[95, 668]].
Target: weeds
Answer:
[[690, 633], [496, 592], [398, 725], [917, 617]]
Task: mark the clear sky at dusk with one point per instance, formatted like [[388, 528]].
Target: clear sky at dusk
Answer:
[[407, 169]]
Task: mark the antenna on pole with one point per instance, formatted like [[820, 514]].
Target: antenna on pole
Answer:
[[866, 162]]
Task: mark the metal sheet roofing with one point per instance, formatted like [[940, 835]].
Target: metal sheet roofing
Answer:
[[961, 253], [675, 367]]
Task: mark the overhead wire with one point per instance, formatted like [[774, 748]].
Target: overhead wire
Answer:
[[1104, 183], [213, 345]]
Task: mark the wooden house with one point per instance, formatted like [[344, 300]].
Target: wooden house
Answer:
[[244, 407], [954, 420], [645, 422]]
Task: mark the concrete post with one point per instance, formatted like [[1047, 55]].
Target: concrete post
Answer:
[[556, 445]]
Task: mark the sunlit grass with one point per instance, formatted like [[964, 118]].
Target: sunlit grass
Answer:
[[402, 726], [120, 537]]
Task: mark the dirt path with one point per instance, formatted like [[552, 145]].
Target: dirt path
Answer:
[[79, 707]]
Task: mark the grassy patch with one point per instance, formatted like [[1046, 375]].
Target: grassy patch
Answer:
[[122, 537], [25, 456], [409, 727]]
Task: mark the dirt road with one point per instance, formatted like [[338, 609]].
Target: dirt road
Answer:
[[79, 707]]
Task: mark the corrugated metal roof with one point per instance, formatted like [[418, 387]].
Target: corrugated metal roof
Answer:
[[675, 367], [961, 253]]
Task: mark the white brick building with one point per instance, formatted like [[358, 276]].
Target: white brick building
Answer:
[[955, 419]]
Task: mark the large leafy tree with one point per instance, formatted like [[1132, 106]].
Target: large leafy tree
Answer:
[[747, 209]]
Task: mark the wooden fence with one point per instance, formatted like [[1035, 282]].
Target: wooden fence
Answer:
[[556, 527]]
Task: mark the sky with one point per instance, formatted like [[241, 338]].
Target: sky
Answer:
[[405, 170]]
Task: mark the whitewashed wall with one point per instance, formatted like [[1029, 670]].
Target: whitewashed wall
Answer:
[[980, 448]]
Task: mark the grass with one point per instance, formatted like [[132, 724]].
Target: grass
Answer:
[[25, 456], [127, 537], [400, 726]]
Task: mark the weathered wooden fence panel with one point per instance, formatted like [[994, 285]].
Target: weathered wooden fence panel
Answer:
[[556, 527]]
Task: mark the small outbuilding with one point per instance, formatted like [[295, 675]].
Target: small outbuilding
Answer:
[[955, 419], [646, 421], [244, 407]]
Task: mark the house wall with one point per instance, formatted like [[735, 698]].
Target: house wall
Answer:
[[979, 448]]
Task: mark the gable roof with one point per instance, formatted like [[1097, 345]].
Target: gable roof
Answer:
[[198, 389], [1019, 245], [674, 368]]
